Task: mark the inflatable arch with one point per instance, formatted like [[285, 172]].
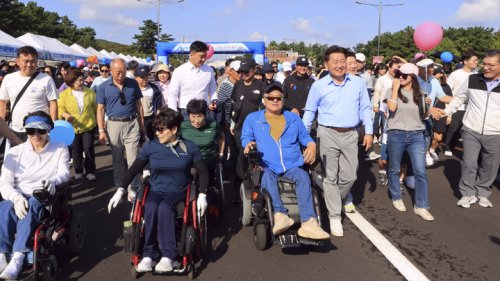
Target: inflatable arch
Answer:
[[257, 49]]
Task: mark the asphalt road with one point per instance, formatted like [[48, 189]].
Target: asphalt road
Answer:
[[461, 244]]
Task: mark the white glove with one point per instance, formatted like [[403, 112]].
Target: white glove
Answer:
[[131, 194], [20, 206], [49, 186], [201, 204], [117, 198]]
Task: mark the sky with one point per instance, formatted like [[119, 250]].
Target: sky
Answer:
[[340, 22]]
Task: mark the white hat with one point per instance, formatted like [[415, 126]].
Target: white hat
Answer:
[[86, 69], [287, 66], [425, 63], [361, 57], [235, 65]]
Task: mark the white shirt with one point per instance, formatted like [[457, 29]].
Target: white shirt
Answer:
[[190, 82], [24, 169], [37, 96], [383, 84], [98, 81], [79, 98], [456, 79], [280, 77]]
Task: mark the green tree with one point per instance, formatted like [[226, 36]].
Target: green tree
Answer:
[[11, 21], [145, 42]]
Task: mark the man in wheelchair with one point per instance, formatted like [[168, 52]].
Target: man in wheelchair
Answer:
[[171, 160], [34, 164], [278, 135]]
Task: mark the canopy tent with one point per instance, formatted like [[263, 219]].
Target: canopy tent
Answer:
[[96, 53], [124, 57], [81, 50], [106, 54], [9, 45], [53, 48]]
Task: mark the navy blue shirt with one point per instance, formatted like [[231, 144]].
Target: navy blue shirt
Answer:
[[108, 94], [169, 172]]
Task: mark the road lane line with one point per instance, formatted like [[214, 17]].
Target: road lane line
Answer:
[[398, 260]]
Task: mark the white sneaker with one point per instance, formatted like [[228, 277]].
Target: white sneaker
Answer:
[[423, 213], [14, 267], [78, 176], [336, 227], [484, 202], [434, 155], [448, 153], [146, 173], [146, 265], [466, 201], [91, 177], [165, 265], [3, 262], [399, 205], [372, 156], [349, 208], [428, 160]]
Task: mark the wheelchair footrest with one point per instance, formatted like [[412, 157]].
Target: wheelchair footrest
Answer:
[[288, 241], [311, 242]]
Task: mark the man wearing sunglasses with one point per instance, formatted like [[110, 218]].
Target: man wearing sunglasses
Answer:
[[104, 70], [279, 135], [120, 99]]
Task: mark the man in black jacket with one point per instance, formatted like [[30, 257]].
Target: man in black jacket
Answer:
[[296, 87]]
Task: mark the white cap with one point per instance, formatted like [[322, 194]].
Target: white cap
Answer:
[[425, 63], [287, 66], [361, 57], [235, 65], [86, 69]]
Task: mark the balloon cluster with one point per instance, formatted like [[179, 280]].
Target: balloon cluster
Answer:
[[93, 59]]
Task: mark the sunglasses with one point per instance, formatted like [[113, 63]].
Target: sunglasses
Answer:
[[104, 71], [274, 98], [160, 129], [32, 131], [399, 74], [242, 72], [122, 98]]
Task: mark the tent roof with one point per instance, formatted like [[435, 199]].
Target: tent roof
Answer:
[[9, 45], [56, 49], [80, 50]]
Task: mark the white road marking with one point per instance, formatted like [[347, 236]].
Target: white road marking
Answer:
[[398, 260]]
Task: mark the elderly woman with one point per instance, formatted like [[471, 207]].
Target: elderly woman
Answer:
[[162, 77], [77, 105], [171, 160], [34, 164]]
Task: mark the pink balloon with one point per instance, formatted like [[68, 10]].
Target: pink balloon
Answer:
[[210, 51], [80, 63], [428, 35]]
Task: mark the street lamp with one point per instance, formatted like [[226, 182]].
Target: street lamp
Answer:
[[380, 6], [158, 12]]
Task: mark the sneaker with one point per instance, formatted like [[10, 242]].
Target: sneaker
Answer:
[[349, 208], [311, 229], [372, 156], [423, 213], [146, 265], [428, 160], [382, 178], [434, 155], [166, 265], [448, 153], [466, 201], [146, 173], [14, 267], [484, 202], [399, 205], [90, 177], [78, 176], [282, 222], [3, 262], [336, 227]]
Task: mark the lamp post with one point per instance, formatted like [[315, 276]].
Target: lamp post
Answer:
[[379, 6], [158, 2]]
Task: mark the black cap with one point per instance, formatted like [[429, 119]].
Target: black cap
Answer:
[[273, 87], [302, 61], [142, 71], [267, 68], [247, 64]]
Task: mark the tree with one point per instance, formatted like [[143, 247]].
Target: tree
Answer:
[[145, 42], [11, 21]]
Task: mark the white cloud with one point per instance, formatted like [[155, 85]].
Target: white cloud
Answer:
[[303, 25], [88, 13], [257, 36], [479, 11]]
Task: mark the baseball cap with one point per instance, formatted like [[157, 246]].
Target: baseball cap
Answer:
[[273, 87], [141, 71], [302, 61], [86, 69], [409, 68], [235, 65], [360, 57], [425, 63], [287, 66], [247, 64], [267, 68]]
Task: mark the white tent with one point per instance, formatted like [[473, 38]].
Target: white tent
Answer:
[[106, 54], [52, 47], [80, 50], [9, 45], [96, 53], [124, 57]]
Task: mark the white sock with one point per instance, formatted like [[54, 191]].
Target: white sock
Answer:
[[14, 267]]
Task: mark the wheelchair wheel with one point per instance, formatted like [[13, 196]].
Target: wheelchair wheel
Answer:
[[192, 271], [246, 218], [77, 233], [260, 236], [134, 272], [49, 268]]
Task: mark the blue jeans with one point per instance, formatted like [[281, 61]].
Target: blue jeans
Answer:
[[14, 232], [302, 189], [428, 133], [414, 143]]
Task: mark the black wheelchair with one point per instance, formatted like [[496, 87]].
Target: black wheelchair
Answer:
[[191, 232], [215, 194], [258, 210]]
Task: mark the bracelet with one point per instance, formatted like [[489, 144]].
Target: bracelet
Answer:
[[101, 130], [392, 100]]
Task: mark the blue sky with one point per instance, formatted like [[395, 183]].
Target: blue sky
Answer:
[[339, 22]]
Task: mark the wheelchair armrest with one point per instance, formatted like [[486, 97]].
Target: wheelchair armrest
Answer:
[[44, 196]]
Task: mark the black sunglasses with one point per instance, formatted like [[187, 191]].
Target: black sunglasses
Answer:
[[274, 98], [242, 72], [104, 71], [32, 131], [122, 98], [160, 129], [399, 74]]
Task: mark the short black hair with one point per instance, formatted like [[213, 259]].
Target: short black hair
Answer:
[[334, 49], [39, 113], [493, 53], [132, 65], [350, 54], [65, 65], [27, 50], [393, 61], [467, 55], [228, 62], [168, 118], [106, 65], [198, 46], [196, 107]]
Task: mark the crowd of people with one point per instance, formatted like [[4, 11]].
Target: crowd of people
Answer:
[[164, 121]]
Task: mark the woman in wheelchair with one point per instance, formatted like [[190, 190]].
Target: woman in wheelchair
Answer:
[[278, 135], [171, 160], [34, 164]]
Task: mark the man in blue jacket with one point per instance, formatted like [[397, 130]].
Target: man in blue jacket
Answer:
[[278, 135]]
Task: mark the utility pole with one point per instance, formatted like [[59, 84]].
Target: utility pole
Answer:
[[379, 6], [158, 2]]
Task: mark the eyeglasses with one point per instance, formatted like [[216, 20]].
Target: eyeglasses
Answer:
[[274, 98], [32, 131], [104, 70], [122, 98], [160, 129], [399, 74]]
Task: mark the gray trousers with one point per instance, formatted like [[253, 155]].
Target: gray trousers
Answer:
[[339, 153], [124, 140], [477, 178]]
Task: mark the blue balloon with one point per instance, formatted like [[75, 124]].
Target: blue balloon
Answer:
[[148, 59], [446, 57], [280, 67], [266, 60], [72, 63], [63, 132]]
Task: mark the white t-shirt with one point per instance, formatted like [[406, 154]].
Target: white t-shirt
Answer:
[[79, 98], [456, 79], [383, 84], [37, 96]]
